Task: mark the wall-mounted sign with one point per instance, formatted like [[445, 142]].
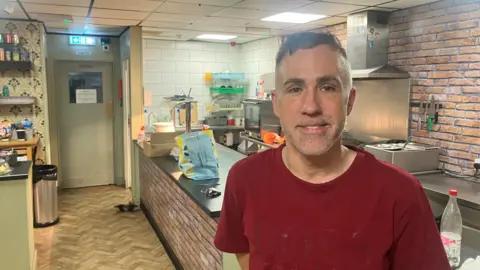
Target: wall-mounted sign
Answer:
[[82, 40], [84, 96]]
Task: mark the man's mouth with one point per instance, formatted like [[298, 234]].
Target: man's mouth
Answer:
[[315, 128]]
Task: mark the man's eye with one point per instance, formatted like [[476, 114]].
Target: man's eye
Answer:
[[328, 88], [294, 89]]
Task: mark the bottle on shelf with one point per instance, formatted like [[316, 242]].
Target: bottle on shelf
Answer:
[[8, 55], [2, 54], [141, 134], [451, 229], [8, 38], [16, 55], [5, 91], [16, 39], [2, 38]]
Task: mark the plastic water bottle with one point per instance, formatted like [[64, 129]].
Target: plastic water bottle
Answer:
[[451, 230]]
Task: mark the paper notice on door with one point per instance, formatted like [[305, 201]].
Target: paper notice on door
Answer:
[[84, 96]]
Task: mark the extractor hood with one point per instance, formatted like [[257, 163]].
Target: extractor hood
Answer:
[[367, 46]]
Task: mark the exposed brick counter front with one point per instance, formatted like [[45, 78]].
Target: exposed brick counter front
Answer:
[[184, 219]]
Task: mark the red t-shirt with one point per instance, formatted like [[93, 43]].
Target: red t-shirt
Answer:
[[373, 217]]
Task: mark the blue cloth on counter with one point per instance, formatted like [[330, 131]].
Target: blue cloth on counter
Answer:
[[198, 159]]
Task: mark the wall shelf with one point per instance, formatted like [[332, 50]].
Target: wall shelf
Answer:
[[224, 90], [26, 100], [229, 76], [10, 65]]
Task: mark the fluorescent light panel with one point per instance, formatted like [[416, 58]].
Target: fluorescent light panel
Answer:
[[216, 37], [291, 17]]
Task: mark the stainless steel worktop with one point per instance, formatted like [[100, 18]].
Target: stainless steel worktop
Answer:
[[468, 191]]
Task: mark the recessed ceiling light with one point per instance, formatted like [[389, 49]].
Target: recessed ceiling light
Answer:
[[216, 37], [291, 17]]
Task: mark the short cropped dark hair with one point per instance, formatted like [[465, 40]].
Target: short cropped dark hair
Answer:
[[309, 40]]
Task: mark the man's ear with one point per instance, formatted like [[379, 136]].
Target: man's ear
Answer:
[[351, 100], [274, 102]]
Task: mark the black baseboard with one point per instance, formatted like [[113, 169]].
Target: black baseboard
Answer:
[[161, 237]]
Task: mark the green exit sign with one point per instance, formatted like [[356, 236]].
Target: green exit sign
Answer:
[[82, 40]]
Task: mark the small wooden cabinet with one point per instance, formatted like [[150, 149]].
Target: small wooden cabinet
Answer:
[[22, 147]]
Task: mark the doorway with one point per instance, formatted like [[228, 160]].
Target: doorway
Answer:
[[84, 102]]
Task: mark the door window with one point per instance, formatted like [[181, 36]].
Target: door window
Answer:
[[85, 87]]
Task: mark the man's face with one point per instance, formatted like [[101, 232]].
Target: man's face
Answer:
[[311, 100]]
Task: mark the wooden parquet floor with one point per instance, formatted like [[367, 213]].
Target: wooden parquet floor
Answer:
[[92, 235]]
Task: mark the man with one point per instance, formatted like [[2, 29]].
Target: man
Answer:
[[313, 203]]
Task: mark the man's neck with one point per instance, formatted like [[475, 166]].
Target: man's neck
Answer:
[[319, 169]]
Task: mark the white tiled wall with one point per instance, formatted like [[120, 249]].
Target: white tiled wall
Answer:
[[173, 66], [258, 57]]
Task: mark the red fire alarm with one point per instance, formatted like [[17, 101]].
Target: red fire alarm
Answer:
[[233, 43]]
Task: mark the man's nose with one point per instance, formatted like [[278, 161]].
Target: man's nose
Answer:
[[311, 104]]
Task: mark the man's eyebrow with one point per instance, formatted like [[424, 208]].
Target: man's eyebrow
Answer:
[[296, 81], [328, 79]]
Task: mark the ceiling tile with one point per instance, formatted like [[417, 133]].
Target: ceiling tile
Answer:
[[273, 5], [217, 29], [175, 25], [224, 21], [407, 3], [223, 3], [304, 27], [117, 22], [166, 17], [184, 8], [16, 14], [332, 20], [46, 17], [381, 9], [75, 3], [118, 14], [328, 9], [137, 5], [56, 9], [244, 13], [271, 25], [103, 30], [71, 26], [361, 3]]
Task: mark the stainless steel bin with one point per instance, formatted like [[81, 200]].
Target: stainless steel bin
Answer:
[[45, 197]]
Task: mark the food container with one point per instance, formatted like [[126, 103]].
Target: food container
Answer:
[[4, 167], [164, 127]]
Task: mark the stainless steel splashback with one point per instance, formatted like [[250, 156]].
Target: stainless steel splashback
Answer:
[[381, 109]]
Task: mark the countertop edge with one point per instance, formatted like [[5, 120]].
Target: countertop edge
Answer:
[[212, 214], [18, 176]]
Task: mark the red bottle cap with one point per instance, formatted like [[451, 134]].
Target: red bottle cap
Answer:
[[453, 192]]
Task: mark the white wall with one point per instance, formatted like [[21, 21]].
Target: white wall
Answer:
[[173, 66], [258, 57]]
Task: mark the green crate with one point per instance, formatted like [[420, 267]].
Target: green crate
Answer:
[[221, 90]]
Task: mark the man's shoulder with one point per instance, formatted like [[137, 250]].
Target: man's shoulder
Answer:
[[256, 161], [391, 175]]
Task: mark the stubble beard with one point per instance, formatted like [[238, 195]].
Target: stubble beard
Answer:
[[313, 145]]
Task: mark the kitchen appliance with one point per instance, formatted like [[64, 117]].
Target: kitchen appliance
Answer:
[[259, 116], [382, 103], [412, 157]]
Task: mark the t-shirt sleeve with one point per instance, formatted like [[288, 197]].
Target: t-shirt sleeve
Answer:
[[230, 236], [417, 244]]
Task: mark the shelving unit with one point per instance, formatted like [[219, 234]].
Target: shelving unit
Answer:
[[11, 65], [22, 101], [225, 90]]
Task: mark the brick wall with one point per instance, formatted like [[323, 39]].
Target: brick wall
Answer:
[[439, 44], [186, 227]]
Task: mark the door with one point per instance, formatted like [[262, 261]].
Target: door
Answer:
[[84, 100]]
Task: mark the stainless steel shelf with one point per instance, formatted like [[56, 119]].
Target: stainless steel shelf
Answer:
[[245, 137]]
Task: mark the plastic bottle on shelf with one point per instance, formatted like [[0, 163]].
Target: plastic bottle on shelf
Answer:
[[451, 229], [5, 91], [141, 134], [260, 92]]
